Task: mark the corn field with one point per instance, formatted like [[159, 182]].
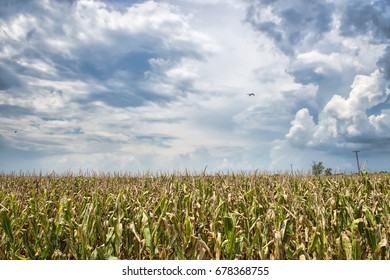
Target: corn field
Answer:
[[188, 216]]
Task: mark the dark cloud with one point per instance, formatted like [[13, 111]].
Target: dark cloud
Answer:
[[300, 29], [56, 42], [370, 18], [136, 62], [12, 111], [14, 159], [74, 131], [377, 109], [328, 82], [384, 63], [11, 7], [8, 79], [289, 23], [129, 83], [156, 139], [307, 76], [367, 17], [127, 99], [368, 146], [176, 120], [115, 99], [122, 5]]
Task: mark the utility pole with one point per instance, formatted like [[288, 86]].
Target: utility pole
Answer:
[[357, 160], [292, 170]]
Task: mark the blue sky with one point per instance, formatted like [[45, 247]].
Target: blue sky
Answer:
[[162, 85]]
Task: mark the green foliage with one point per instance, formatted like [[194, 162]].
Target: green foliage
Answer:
[[317, 168], [236, 216], [328, 171]]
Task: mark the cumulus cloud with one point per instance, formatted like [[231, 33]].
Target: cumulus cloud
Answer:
[[371, 19], [343, 123], [310, 34], [367, 17], [333, 46], [101, 44], [162, 84], [291, 23], [71, 72], [68, 58]]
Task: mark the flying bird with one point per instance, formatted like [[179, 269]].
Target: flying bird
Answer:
[[251, 94]]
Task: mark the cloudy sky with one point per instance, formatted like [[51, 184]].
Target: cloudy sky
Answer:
[[162, 85]]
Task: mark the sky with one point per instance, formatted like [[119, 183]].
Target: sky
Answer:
[[161, 86]]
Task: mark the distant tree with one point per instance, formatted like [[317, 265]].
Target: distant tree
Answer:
[[317, 168], [328, 171]]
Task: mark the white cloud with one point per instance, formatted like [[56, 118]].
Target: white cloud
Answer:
[[322, 62], [302, 128], [381, 122], [163, 84], [343, 122]]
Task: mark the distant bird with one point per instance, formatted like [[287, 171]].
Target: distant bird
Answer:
[[15, 131], [251, 94]]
